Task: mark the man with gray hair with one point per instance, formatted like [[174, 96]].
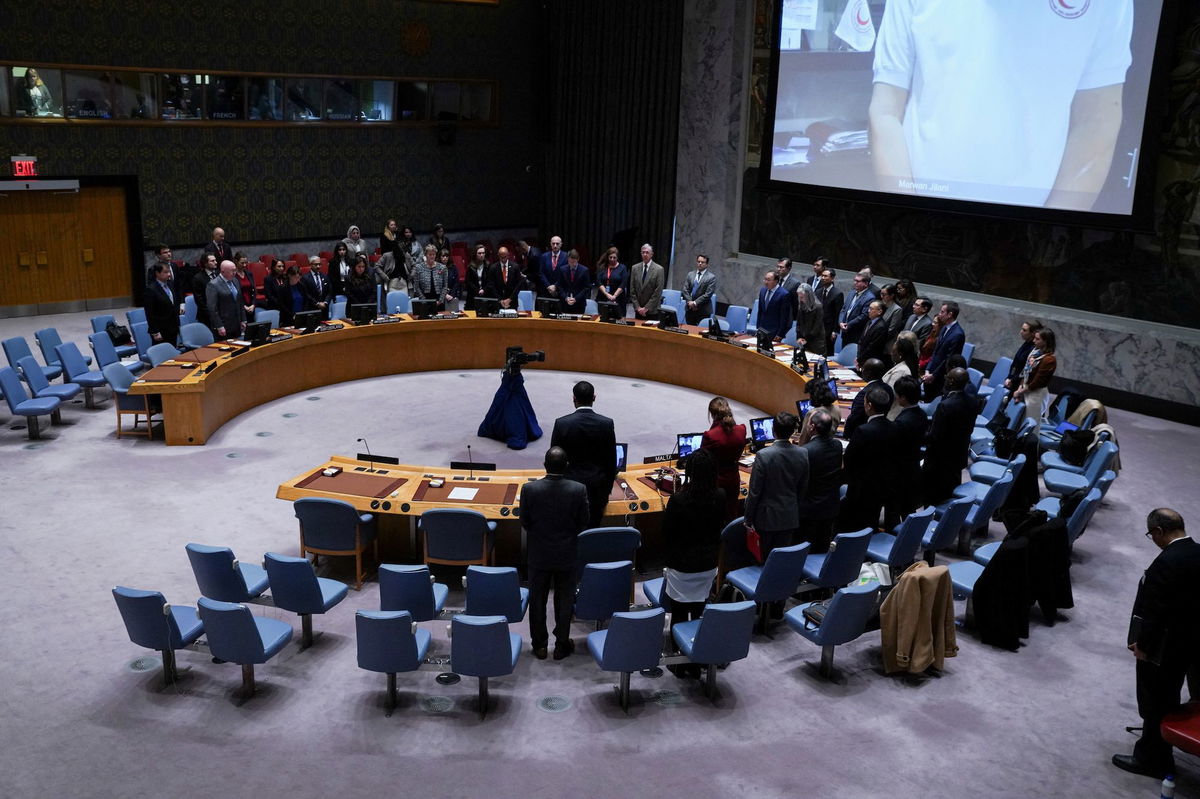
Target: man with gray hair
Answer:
[[854, 312], [646, 280]]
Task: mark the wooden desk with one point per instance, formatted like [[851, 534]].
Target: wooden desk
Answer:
[[196, 406]]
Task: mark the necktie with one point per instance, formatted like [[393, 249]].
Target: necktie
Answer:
[[504, 272], [645, 272], [554, 261], [317, 280], [234, 290], [167, 289], [770, 294]]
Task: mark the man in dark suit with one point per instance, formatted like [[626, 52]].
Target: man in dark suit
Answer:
[[223, 298], [162, 305], [912, 425], [819, 265], [871, 371], [549, 264], [831, 299], [854, 311], [208, 272], [774, 307], [787, 281], [554, 511], [162, 255], [819, 508], [950, 342], [1164, 636], [698, 289], [218, 247], [646, 281], [590, 442], [316, 288], [874, 340], [530, 258], [919, 323], [778, 484], [948, 440], [505, 280], [574, 284], [871, 465]]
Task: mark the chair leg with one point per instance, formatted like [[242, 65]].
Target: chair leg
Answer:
[[391, 693], [710, 680], [31, 424], [306, 634], [56, 416], [170, 674], [247, 680], [89, 397], [483, 697], [827, 661], [624, 689], [358, 572]]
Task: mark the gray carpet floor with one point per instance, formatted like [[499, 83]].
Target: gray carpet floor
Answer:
[[82, 512]]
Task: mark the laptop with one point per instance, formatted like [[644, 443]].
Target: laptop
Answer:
[[687, 443], [622, 455]]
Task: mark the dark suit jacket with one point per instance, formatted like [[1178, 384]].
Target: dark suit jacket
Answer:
[[873, 343], [774, 317], [496, 286], [618, 280], [548, 272], [1168, 602], [946, 445], [950, 342], [575, 283], [554, 511], [475, 282], [591, 444], [312, 293], [831, 308], [223, 251], [872, 463], [778, 484], [162, 312], [224, 310], [854, 314], [912, 425], [199, 289], [824, 478], [919, 325], [858, 407]]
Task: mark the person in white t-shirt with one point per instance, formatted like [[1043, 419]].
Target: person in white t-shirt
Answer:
[[1015, 102]]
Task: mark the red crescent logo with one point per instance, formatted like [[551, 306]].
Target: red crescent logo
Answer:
[[867, 21], [1066, 5], [1072, 10]]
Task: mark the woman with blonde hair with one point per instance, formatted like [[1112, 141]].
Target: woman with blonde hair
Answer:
[[726, 439]]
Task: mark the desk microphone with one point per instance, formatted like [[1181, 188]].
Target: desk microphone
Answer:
[[370, 457], [470, 460]]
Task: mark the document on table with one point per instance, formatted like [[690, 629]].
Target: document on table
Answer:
[[463, 493]]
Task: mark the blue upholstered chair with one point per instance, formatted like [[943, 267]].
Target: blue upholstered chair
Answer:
[[17, 347], [190, 313], [142, 340], [219, 575], [606, 545], [603, 591], [389, 642], [100, 325], [39, 387], [752, 322], [838, 566], [996, 379], [632, 642], [720, 635], [269, 315], [295, 586], [161, 353], [985, 473], [525, 300], [738, 316], [135, 315], [75, 367], [235, 635], [119, 379], [774, 581], [48, 342], [482, 647], [333, 527], [1062, 481], [591, 307], [154, 624], [411, 588], [1052, 505], [337, 310], [898, 549], [194, 335], [979, 515], [944, 533], [106, 353], [457, 537], [20, 403], [968, 351], [991, 408], [398, 302], [706, 323], [789, 338], [495, 591], [845, 619]]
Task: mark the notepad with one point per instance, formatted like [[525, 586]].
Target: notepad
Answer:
[[463, 493]]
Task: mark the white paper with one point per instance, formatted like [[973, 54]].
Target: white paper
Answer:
[[856, 28], [460, 492], [800, 14]]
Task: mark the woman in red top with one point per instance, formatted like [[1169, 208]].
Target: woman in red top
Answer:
[[726, 440], [246, 282]]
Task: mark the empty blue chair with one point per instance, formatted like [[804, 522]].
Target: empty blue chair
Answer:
[[398, 302], [270, 316], [979, 515], [848, 355], [1098, 461], [738, 317], [996, 379], [774, 581], [991, 408], [100, 325], [898, 549], [39, 386], [603, 591], [75, 368], [671, 299], [389, 642], [944, 533], [17, 348], [154, 624], [495, 591], [1052, 505], [295, 586], [337, 310], [189, 310], [838, 566], [411, 588], [482, 647], [220, 576], [721, 635], [119, 379], [195, 335], [135, 315], [20, 404], [591, 307], [605, 545], [525, 300], [161, 353], [845, 619], [235, 635], [752, 322], [968, 350], [457, 536], [706, 323], [653, 591], [142, 340], [106, 353], [975, 378], [789, 338], [984, 474], [48, 342], [334, 527], [632, 642]]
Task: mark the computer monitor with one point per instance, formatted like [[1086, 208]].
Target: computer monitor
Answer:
[[487, 306], [424, 309], [548, 306], [832, 383], [687, 443], [257, 333], [762, 430], [668, 317], [765, 342], [362, 313], [609, 311], [307, 321], [622, 456], [714, 326], [803, 407]]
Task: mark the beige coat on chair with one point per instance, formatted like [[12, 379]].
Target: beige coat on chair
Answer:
[[917, 620]]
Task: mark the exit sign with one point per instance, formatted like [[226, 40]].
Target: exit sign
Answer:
[[24, 166]]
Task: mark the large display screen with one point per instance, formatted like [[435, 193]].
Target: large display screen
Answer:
[[1036, 104]]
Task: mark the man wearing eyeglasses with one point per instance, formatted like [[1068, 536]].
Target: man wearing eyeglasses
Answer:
[[854, 312], [1164, 636]]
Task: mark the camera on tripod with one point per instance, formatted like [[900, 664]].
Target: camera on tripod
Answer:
[[516, 357]]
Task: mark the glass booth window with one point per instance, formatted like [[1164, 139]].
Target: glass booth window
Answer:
[[87, 94], [375, 100], [446, 100], [412, 101], [264, 99], [37, 92], [182, 96], [477, 102], [303, 99], [226, 97], [135, 95], [5, 82], [341, 100]]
